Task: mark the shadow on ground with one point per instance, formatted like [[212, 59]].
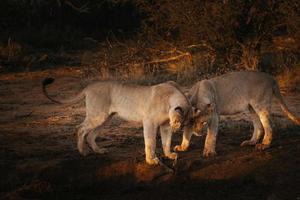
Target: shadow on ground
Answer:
[[39, 159]]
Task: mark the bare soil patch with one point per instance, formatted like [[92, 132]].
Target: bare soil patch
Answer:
[[39, 158]]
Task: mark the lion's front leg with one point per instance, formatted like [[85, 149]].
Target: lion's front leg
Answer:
[[175, 120], [166, 139], [186, 137], [211, 137], [150, 131]]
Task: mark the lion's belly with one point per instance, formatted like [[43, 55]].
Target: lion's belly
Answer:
[[128, 107], [129, 114]]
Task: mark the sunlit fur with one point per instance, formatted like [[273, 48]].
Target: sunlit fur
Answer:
[[234, 93], [156, 107]]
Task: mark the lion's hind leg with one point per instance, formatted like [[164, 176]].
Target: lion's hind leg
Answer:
[[258, 129], [266, 122], [81, 134], [98, 122], [263, 111]]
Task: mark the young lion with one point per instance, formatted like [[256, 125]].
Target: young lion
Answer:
[[233, 93], [160, 106]]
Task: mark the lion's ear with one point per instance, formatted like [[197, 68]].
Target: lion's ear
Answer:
[[187, 94], [179, 110]]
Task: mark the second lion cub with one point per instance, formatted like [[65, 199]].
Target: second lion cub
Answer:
[[234, 93]]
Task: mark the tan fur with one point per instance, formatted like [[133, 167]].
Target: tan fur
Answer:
[[234, 93], [161, 106]]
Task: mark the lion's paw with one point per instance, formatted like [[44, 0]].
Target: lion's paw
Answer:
[[83, 151], [100, 150], [261, 146], [172, 156], [152, 161], [180, 148], [248, 143], [209, 153]]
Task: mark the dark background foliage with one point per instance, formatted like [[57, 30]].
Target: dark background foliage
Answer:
[[251, 34]]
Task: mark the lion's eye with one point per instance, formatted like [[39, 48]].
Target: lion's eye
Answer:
[[204, 123]]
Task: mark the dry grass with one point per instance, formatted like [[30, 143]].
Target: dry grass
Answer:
[[150, 63], [10, 50], [289, 80], [146, 63]]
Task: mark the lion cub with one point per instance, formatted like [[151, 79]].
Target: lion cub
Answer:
[[161, 106], [234, 93]]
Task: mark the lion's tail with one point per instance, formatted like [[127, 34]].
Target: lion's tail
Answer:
[[289, 114], [78, 97]]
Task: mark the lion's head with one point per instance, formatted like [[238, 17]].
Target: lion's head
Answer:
[[200, 119]]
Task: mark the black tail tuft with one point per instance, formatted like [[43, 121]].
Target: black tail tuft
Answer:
[[48, 81]]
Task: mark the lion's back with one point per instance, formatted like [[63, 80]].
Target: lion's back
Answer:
[[236, 90]]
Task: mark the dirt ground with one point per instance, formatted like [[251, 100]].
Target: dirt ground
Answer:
[[39, 158]]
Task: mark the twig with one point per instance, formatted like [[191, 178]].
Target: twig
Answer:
[[175, 162], [169, 169], [170, 59], [82, 9], [117, 41], [58, 3], [108, 42], [203, 44]]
